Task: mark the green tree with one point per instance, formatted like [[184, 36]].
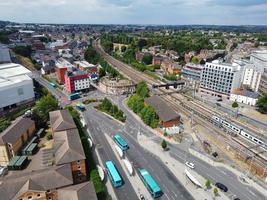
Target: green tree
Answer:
[[194, 60], [142, 89], [123, 49], [101, 73], [147, 59], [215, 191], [106, 105], [91, 55], [23, 50], [262, 103], [235, 105], [141, 43], [45, 105], [164, 144], [136, 103], [208, 183], [149, 116]]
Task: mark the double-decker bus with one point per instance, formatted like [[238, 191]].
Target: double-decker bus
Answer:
[[73, 96], [120, 142], [113, 174], [150, 183]]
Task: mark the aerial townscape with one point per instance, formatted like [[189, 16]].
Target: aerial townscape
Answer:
[[128, 100]]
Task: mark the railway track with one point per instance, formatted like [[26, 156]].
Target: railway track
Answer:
[[178, 102]]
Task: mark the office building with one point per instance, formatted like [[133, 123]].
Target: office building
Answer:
[[219, 79], [16, 86]]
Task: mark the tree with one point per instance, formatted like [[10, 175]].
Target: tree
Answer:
[[142, 89], [235, 105], [123, 49], [215, 191], [45, 105], [164, 144], [101, 73], [208, 184], [23, 50], [141, 43], [91, 55], [136, 103], [147, 59], [262, 103], [194, 60], [149, 116]]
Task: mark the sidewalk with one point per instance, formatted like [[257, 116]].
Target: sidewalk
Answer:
[[233, 170], [177, 169], [108, 185]]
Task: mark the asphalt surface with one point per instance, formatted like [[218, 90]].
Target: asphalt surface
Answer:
[[100, 124], [62, 97], [180, 153]]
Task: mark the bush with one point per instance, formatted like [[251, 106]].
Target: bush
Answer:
[[49, 136], [208, 184], [164, 144]]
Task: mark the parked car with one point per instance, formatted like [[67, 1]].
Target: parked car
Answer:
[[190, 165], [3, 171], [237, 198], [221, 187]]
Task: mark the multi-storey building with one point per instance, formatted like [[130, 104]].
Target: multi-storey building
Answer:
[[192, 72], [219, 79], [67, 144], [62, 66], [260, 60], [76, 80]]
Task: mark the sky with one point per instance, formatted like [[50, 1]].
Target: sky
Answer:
[[173, 12]]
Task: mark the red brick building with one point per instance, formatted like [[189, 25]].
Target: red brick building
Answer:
[[62, 66], [167, 117]]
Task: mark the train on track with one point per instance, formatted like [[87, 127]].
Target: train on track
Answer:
[[233, 128]]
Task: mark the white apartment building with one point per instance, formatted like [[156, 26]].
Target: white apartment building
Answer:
[[252, 74], [219, 79], [16, 85], [259, 58]]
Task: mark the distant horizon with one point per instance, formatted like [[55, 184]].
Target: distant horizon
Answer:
[[155, 12], [133, 24]]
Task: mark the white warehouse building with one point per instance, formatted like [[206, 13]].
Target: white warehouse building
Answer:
[[16, 86]]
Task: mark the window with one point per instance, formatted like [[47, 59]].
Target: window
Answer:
[[49, 198], [79, 167], [78, 161], [29, 197], [38, 195]]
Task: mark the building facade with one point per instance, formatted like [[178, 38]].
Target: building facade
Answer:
[[16, 86], [76, 81], [219, 79], [62, 66], [14, 138], [244, 96]]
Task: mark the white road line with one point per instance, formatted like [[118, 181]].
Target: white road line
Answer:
[[167, 196]]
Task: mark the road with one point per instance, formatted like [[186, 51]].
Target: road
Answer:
[[61, 96], [101, 124], [180, 153]]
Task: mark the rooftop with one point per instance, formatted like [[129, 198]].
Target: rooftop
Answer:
[[13, 187], [164, 112], [80, 191], [68, 147], [246, 93], [61, 120], [62, 63], [261, 54], [15, 130], [84, 64]]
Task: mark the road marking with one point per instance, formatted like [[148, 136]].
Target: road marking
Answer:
[[166, 196]]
